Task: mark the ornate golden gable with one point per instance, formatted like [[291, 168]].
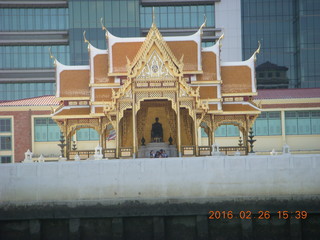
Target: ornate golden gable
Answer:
[[154, 41]]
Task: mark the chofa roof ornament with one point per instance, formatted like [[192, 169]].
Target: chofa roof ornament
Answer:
[[52, 57], [219, 40], [257, 51], [104, 28], [85, 39], [204, 24]]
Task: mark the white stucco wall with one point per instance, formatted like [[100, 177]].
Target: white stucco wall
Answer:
[[228, 18], [172, 178]]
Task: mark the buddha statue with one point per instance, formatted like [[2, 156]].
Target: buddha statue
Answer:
[[156, 131]]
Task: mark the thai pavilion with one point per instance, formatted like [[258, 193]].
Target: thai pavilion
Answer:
[[136, 80]]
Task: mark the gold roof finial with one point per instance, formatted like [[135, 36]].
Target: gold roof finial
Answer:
[[52, 57], [221, 37], [204, 23], [85, 39], [259, 46], [257, 51], [219, 40], [103, 27]]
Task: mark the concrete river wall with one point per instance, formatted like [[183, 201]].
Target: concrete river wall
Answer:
[[240, 197]]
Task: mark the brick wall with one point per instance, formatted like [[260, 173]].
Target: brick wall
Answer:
[[22, 127]]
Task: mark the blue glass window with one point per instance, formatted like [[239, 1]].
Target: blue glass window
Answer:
[[13, 91], [27, 19], [5, 159], [87, 134], [5, 125], [302, 122], [5, 143], [46, 130], [203, 133], [177, 16], [267, 124], [26, 57], [227, 131]]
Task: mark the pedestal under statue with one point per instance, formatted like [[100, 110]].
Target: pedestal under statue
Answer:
[[157, 131]]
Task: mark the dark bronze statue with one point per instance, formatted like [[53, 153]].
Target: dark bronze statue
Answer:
[[156, 131]]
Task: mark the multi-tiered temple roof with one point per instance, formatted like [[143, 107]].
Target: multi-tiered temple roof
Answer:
[[177, 69]]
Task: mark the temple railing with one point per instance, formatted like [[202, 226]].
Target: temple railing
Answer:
[[109, 153], [85, 154], [206, 150], [188, 151], [230, 150], [126, 152]]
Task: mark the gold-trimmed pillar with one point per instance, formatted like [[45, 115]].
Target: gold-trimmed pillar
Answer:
[[68, 146], [117, 133], [178, 129], [134, 128], [195, 132]]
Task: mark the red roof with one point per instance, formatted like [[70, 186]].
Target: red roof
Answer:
[[36, 101], [291, 105], [288, 93]]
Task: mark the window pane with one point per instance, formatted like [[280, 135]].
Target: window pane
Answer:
[[5, 125], [304, 126], [274, 127], [5, 159], [93, 134], [221, 131], [261, 127], [203, 133], [53, 133], [291, 127], [232, 131], [83, 134], [315, 124], [5, 143]]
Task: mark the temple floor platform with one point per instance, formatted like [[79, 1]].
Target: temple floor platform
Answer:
[[144, 151]]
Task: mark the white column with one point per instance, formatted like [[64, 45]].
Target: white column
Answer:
[[283, 127], [199, 137]]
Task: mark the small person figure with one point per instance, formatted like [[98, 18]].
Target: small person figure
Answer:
[[152, 155], [164, 154]]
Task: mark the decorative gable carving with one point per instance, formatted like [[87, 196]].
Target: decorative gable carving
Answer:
[[154, 40], [155, 68]]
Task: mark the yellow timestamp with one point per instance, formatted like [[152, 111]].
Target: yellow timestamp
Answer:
[[245, 214]]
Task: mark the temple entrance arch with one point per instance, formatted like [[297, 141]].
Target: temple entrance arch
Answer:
[[149, 110], [146, 116]]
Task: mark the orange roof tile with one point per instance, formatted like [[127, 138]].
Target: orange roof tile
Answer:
[[236, 79]]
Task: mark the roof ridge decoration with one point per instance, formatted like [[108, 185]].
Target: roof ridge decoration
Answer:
[[52, 57], [104, 28], [256, 52], [203, 25], [86, 40], [154, 37]]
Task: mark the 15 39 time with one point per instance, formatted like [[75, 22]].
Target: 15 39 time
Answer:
[[295, 214]]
